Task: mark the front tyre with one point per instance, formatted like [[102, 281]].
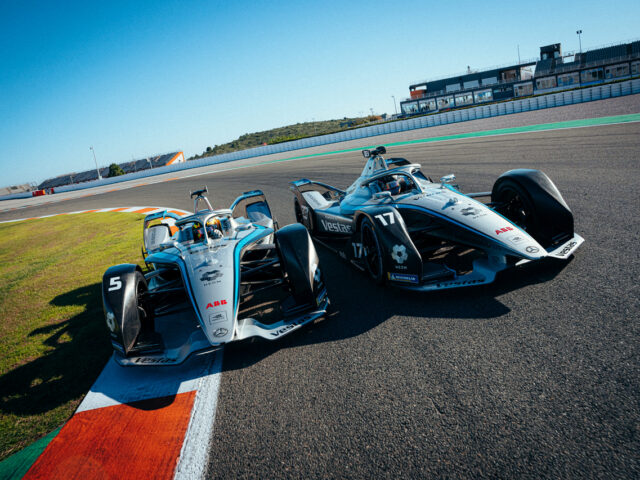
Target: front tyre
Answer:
[[530, 200], [300, 217], [372, 251], [516, 205], [300, 263], [128, 309]]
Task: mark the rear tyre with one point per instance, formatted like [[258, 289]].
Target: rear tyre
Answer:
[[372, 251]]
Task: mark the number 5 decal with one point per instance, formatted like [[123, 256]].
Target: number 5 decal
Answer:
[[114, 284], [384, 222]]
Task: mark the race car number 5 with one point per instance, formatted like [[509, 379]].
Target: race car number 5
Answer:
[[383, 221], [115, 284]]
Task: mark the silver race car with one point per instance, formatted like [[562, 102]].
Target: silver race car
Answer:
[[398, 225], [214, 277]]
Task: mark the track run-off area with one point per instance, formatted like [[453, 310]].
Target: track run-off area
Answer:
[[536, 375]]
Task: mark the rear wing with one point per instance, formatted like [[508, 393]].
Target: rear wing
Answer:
[[304, 185]]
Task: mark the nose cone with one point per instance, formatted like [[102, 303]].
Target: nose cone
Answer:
[[519, 241], [212, 286], [505, 236]]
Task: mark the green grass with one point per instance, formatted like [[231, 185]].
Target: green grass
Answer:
[[53, 338]]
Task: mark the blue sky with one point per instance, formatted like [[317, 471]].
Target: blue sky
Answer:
[[137, 78]]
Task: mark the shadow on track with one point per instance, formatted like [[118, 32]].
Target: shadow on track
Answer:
[[359, 305], [80, 346]]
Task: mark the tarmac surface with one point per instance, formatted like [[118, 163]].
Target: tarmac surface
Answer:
[[536, 375]]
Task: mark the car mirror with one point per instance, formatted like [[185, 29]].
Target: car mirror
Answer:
[[448, 178], [381, 195], [155, 235]]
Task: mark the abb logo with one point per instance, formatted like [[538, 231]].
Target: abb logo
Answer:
[[217, 303], [504, 230]]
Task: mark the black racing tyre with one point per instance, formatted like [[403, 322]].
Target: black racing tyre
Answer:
[[298, 211], [297, 256], [516, 204], [372, 251], [143, 302], [308, 222]]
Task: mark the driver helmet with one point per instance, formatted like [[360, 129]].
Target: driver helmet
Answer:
[[393, 186], [197, 231], [214, 228]]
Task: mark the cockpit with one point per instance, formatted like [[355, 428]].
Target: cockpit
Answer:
[[193, 231], [396, 183], [206, 225]]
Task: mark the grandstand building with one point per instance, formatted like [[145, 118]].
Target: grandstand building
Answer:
[[127, 167], [25, 187], [553, 71]]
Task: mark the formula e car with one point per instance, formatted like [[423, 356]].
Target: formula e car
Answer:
[[213, 277], [401, 227]]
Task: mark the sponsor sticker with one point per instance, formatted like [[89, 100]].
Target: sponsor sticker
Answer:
[[566, 249], [516, 239], [532, 249], [296, 323], [504, 230], [217, 303], [210, 276], [399, 254], [111, 321], [470, 211], [403, 277], [220, 332], [217, 317], [154, 360], [335, 227], [459, 283]]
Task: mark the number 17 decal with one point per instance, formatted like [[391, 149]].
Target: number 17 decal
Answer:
[[383, 221], [359, 250]]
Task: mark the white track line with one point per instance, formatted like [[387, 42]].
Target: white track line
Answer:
[[194, 455], [105, 210]]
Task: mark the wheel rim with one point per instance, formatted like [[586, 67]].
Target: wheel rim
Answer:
[[372, 257], [516, 209]]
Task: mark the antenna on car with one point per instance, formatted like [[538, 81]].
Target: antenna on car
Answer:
[[376, 151], [199, 194]]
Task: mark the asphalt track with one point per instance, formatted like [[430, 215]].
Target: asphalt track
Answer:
[[534, 376]]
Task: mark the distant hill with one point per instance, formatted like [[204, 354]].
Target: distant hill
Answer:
[[287, 134]]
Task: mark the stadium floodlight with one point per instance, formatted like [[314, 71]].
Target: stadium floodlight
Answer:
[[395, 105], [579, 33], [96, 162]]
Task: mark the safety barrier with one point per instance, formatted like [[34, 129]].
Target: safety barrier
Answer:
[[485, 111]]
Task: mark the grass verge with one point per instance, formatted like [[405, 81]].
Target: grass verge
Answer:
[[53, 339]]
